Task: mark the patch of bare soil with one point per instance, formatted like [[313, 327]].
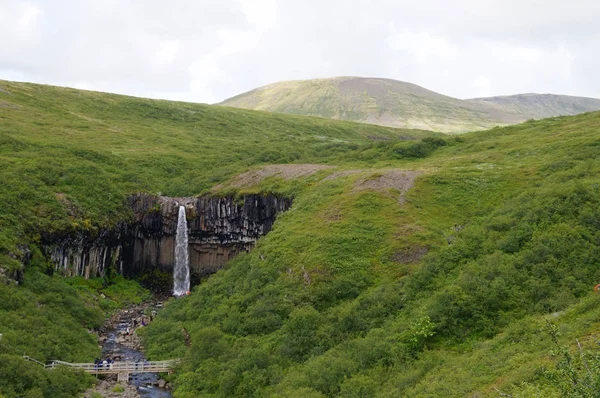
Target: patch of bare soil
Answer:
[[402, 180], [410, 255], [6, 104], [285, 171], [343, 173]]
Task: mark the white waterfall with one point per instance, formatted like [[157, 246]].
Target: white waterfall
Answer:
[[181, 271]]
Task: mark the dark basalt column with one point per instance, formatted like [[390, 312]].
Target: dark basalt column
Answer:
[[219, 229]]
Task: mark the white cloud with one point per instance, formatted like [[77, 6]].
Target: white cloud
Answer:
[[164, 56], [422, 45], [483, 86], [29, 18], [260, 13], [205, 72], [212, 49]]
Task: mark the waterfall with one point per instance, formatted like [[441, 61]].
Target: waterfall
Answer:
[[181, 271]]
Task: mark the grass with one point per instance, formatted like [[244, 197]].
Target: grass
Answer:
[[69, 158], [352, 293], [321, 305], [398, 104], [50, 317], [378, 101], [118, 388], [68, 161]]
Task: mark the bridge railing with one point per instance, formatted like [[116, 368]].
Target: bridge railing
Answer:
[[115, 367], [118, 367]]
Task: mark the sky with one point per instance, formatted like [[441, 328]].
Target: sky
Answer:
[[209, 50]]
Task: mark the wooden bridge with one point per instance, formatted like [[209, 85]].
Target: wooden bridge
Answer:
[[123, 369]]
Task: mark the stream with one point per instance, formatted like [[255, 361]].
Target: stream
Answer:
[[122, 347]]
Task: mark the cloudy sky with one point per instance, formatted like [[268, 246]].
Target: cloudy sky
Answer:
[[209, 50]]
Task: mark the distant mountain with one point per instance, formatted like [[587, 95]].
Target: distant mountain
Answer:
[[539, 106], [394, 103]]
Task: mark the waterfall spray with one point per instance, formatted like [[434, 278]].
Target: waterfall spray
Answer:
[[181, 271]]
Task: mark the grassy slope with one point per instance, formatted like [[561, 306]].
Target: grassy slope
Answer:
[[63, 148], [539, 106], [398, 104], [68, 160], [379, 101], [48, 317], [322, 308], [327, 304]]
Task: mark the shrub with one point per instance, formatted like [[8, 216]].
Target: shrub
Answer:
[[418, 149], [118, 388], [300, 333]]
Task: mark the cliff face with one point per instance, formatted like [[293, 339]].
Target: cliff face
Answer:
[[219, 228], [79, 253]]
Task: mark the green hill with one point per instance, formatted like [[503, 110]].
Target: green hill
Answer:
[[95, 148], [416, 265], [68, 161], [394, 103]]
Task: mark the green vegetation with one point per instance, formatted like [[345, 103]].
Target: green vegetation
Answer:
[[393, 103], [378, 101], [540, 106], [338, 300], [118, 388], [118, 293], [48, 317], [69, 158], [364, 287]]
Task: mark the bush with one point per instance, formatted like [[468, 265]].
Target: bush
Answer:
[[118, 388], [418, 149], [300, 333]]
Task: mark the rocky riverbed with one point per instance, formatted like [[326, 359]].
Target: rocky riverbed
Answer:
[[120, 342]]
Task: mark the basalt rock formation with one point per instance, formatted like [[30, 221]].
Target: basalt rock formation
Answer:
[[219, 228]]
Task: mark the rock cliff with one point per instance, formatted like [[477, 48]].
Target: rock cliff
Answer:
[[219, 228]]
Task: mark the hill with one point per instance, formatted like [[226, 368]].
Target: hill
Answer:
[[416, 264], [394, 103], [454, 284], [68, 161], [540, 106], [95, 148]]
